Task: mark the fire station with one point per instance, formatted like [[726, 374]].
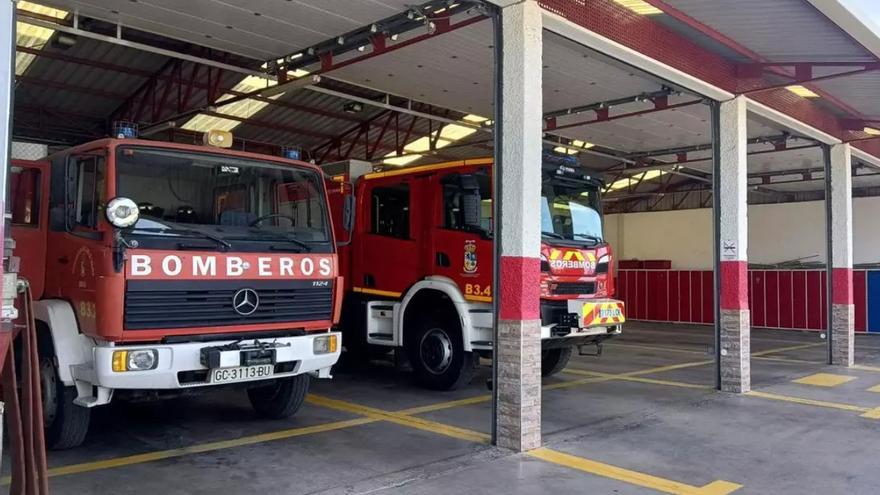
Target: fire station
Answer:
[[489, 246]]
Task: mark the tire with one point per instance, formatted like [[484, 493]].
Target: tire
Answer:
[[436, 354], [281, 398], [66, 423], [554, 360]]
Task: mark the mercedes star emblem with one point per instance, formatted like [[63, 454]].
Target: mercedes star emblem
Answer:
[[245, 301]]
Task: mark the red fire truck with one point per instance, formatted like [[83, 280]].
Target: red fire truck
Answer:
[[417, 261], [159, 269]]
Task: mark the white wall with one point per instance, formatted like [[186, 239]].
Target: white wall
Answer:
[[777, 232]]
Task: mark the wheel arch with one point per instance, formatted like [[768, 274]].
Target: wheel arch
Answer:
[[57, 324], [428, 291]]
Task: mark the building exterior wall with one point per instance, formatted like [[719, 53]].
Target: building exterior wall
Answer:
[[777, 232]]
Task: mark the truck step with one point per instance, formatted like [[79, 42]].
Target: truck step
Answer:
[[481, 343], [381, 336]]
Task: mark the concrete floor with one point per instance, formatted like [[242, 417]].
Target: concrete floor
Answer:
[[642, 418]]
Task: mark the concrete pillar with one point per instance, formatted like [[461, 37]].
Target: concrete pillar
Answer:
[[733, 298], [518, 356], [842, 303]]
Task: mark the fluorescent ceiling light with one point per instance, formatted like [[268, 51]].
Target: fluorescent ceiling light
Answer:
[[872, 131], [639, 7], [243, 108], [449, 134], [33, 36], [624, 183], [802, 91]]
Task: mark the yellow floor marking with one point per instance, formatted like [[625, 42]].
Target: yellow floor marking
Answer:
[[875, 388], [872, 413], [787, 348], [762, 355], [866, 368], [656, 348], [824, 380], [479, 399], [629, 476], [810, 402], [652, 381], [401, 419], [200, 448]]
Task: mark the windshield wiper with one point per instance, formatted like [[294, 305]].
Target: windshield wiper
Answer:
[[284, 238], [223, 243], [552, 234], [589, 237]]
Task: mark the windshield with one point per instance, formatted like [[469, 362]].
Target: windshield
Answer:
[[570, 212], [221, 198]]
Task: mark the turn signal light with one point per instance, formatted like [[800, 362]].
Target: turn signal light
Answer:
[[325, 344]]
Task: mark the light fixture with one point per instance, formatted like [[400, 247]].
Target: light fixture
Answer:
[[394, 37], [374, 28], [353, 107], [362, 48], [432, 28], [639, 7], [802, 91], [872, 131], [340, 40]]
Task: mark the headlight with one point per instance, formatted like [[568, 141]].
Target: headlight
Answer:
[[135, 360], [122, 212], [602, 264], [325, 344]]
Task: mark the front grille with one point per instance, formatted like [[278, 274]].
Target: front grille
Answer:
[[574, 288], [181, 303]]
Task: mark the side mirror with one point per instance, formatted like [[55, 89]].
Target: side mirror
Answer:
[[348, 213]]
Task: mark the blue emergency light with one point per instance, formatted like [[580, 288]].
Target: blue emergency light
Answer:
[[292, 153], [124, 129]]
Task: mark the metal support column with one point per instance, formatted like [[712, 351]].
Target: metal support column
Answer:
[[715, 112]]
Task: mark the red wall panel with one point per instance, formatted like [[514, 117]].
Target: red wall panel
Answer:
[[684, 302], [860, 289], [696, 297], [708, 296], [771, 291], [823, 304], [674, 306], [799, 299], [642, 297], [814, 300], [758, 300], [785, 299]]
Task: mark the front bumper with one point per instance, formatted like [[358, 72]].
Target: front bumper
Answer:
[[179, 365], [580, 321]]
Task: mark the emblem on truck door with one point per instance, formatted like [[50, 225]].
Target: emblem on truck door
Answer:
[[470, 256], [245, 301]]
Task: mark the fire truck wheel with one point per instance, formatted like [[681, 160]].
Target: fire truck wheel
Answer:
[[66, 424], [280, 398], [554, 360], [436, 354]]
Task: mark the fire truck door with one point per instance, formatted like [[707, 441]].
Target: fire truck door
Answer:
[[462, 247], [387, 253]]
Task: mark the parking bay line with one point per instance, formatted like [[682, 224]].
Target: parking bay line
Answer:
[[867, 412], [582, 464], [718, 487], [86, 467]]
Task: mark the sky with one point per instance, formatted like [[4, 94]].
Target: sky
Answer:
[[870, 8]]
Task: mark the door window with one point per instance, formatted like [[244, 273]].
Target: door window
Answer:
[[88, 182], [25, 191], [390, 211], [455, 200]]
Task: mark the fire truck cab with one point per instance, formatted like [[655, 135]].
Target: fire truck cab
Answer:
[[158, 269], [417, 256]]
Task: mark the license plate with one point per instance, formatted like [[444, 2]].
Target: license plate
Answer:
[[241, 373]]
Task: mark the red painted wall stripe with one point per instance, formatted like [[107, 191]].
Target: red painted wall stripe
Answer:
[[734, 285], [842, 286], [520, 291]]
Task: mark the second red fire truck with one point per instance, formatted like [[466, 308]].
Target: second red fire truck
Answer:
[[418, 255]]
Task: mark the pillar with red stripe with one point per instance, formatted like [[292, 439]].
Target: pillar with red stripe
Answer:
[[518, 349], [842, 303], [735, 346]]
